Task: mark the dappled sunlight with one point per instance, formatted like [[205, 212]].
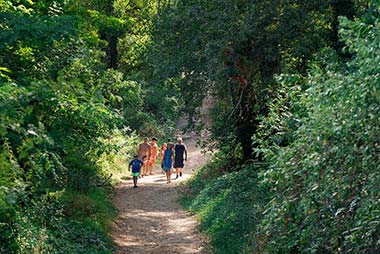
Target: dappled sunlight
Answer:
[[150, 218]]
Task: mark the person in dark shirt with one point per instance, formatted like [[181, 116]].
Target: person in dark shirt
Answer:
[[180, 155], [136, 165]]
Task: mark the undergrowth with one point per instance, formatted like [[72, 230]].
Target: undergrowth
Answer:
[[66, 223], [227, 203], [87, 225]]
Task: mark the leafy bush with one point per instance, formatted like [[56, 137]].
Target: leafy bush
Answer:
[[117, 151], [326, 181], [64, 116]]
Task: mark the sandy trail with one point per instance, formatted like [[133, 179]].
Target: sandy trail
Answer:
[[151, 220]]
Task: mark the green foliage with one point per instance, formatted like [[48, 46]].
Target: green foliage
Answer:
[[112, 25], [319, 150], [326, 181], [42, 127], [28, 43], [67, 122], [118, 150], [232, 50], [229, 206], [80, 81], [41, 226], [95, 204], [79, 237]]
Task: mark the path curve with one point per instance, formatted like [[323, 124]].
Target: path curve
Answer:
[[150, 219]]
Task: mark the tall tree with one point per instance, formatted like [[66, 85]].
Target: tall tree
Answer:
[[236, 48]]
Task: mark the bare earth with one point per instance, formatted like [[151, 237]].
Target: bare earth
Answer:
[[150, 218]]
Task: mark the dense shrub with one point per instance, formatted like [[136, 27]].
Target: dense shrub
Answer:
[[66, 121], [326, 181], [47, 147]]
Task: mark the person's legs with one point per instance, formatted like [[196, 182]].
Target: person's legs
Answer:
[[176, 172], [178, 164], [134, 181], [151, 165], [167, 173], [150, 169], [145, 168]]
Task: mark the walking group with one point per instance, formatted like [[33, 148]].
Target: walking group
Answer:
[[172, 156]]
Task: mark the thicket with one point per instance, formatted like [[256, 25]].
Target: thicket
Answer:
[[325, 183], [73, 103], [296, 112]]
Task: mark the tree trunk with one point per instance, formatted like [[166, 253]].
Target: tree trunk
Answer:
[[111, 48], [246, 126], [344, 8], [111, 57], [191, 119], [112, 52]]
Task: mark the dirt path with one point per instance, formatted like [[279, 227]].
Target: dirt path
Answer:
[[151, 220]]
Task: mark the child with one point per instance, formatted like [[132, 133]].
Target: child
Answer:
[[168, 162], [136, 167]]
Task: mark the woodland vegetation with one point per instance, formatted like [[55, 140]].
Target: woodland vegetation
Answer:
[[73, 102], [296, 107]]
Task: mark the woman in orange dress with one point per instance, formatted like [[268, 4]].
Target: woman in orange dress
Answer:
[[153, 155]]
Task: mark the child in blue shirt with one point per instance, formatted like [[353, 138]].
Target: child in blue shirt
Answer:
[[136, 165]]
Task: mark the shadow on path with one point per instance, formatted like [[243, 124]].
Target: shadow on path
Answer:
[[150, 218]]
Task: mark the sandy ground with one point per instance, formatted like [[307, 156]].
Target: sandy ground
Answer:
[[151, 220]]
